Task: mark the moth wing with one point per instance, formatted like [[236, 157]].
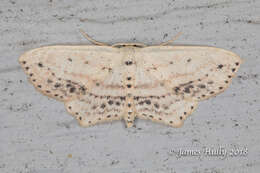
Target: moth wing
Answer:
[[90, 109], [194, 72], [64, 72], [171, 110]]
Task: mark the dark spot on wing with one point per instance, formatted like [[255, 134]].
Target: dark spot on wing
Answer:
[[128, 63], [102, 106], [176, 89], [122, 98], [141, 103], [187, 90], [136, 98], [156, 105], [220, 66], [110, 102], [165, 107], [72, 89], [202, 86], [148, 102], [40, 64], [57, 85], [83, 90]]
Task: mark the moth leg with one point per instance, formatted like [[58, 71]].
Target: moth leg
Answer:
[[92, 40]]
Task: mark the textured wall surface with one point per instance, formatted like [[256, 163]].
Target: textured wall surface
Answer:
[[37, 135]]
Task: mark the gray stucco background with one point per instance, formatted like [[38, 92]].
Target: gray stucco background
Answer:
[[38, 135]]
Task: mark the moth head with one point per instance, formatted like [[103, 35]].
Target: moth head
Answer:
[[121, 45]]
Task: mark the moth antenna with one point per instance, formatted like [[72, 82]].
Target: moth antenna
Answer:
[[91, 39], [170, 41]]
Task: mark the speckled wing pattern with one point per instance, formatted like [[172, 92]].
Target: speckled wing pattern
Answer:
[[104, 83]]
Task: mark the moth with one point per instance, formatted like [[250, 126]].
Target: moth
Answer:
[[101, 83]]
